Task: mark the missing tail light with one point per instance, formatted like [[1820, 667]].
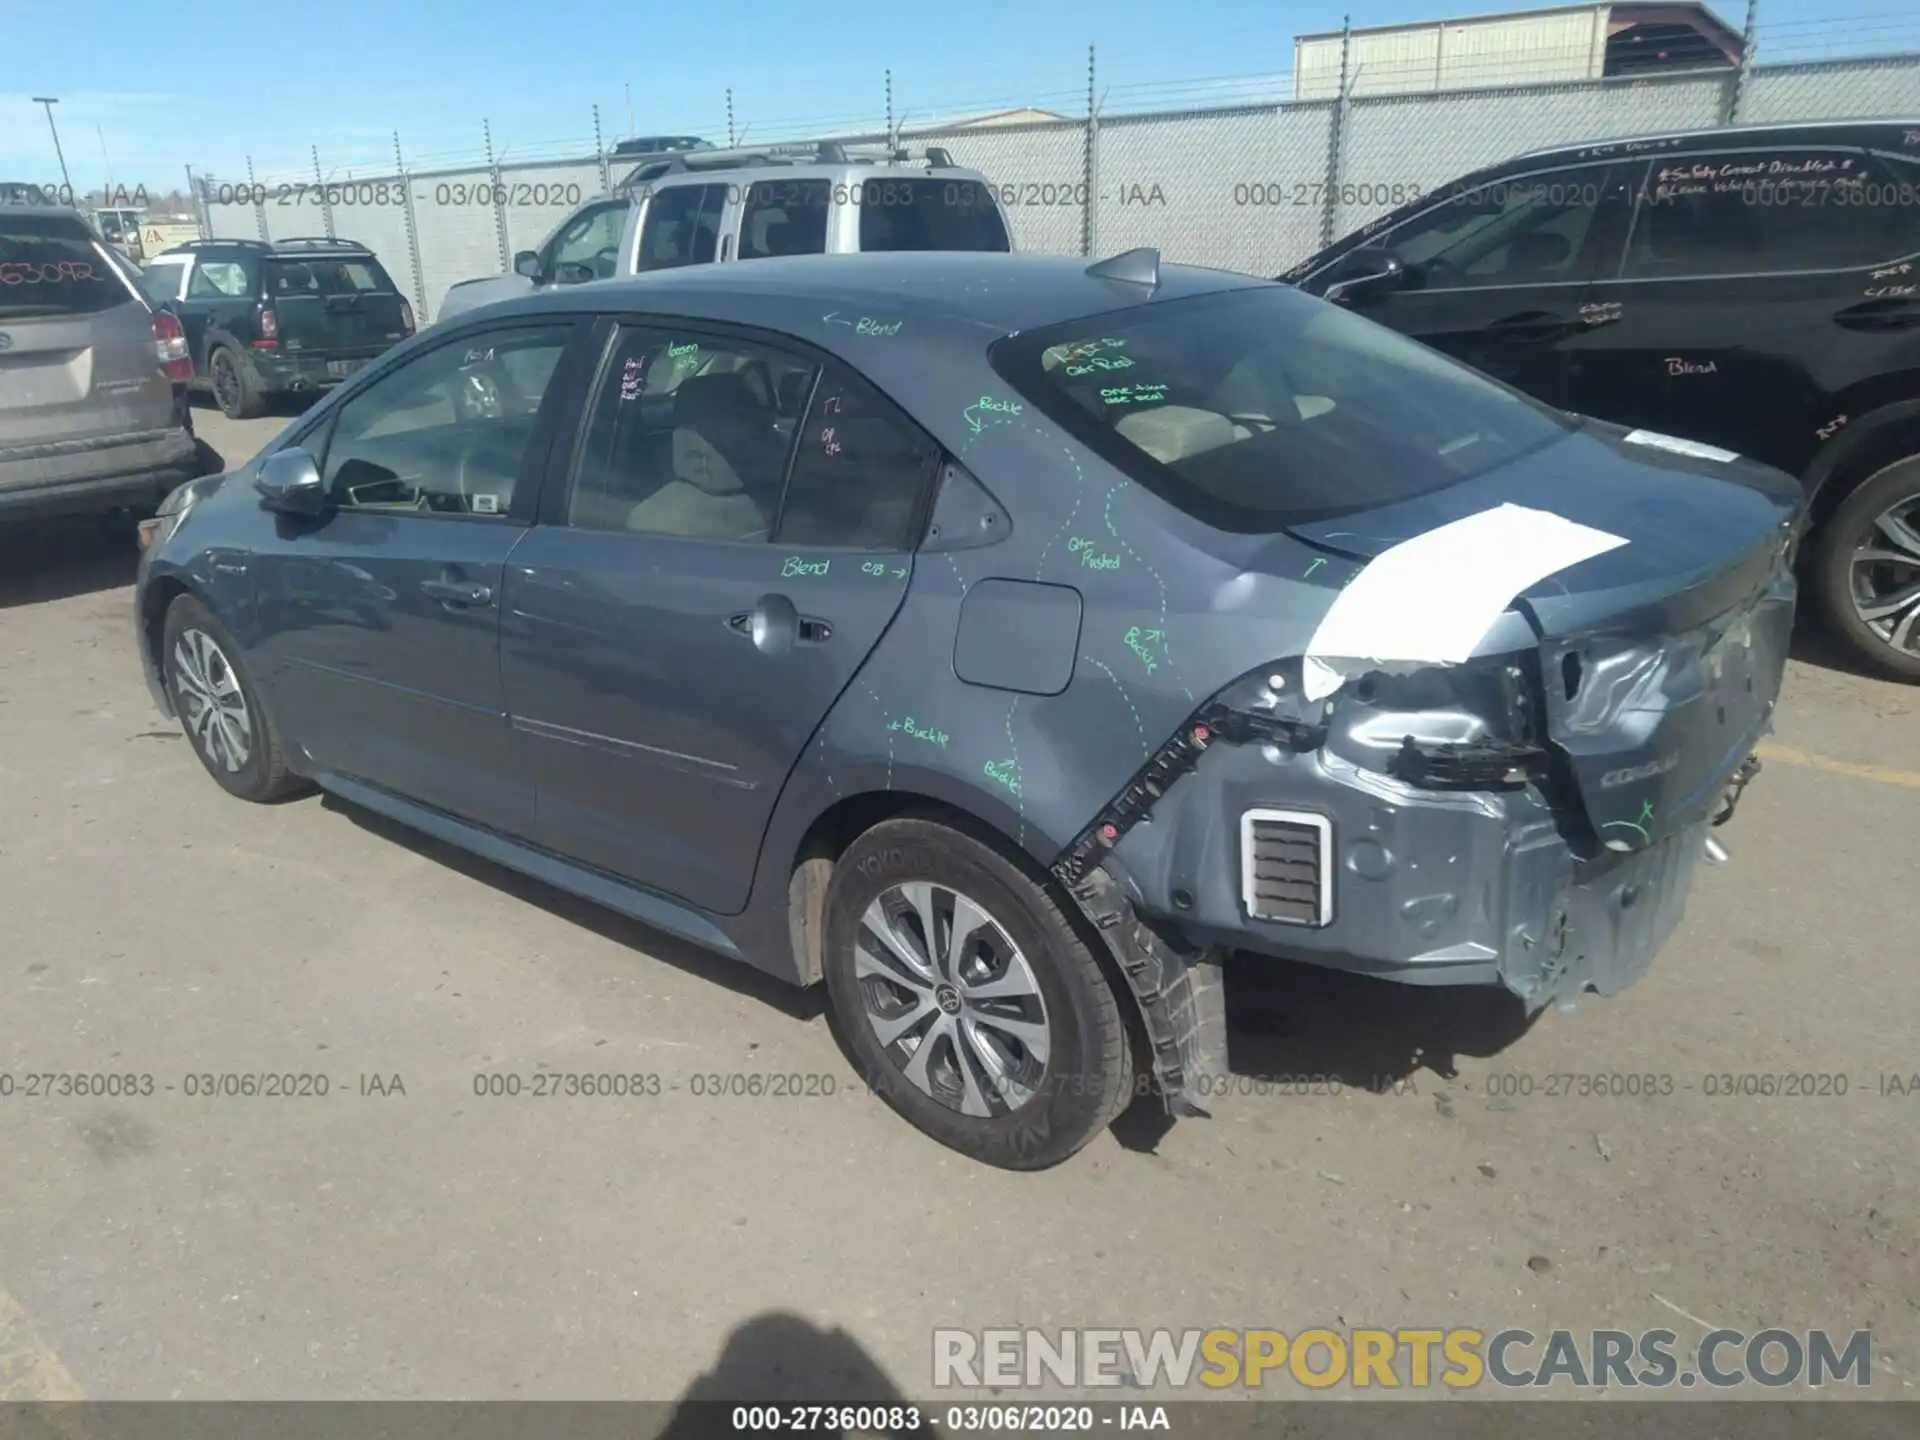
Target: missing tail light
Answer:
[[170, 347]]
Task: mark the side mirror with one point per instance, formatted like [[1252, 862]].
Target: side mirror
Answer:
[[1367, 275], [527, 263], [289, 481]]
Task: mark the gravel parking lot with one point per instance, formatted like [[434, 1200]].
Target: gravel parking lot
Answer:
[[402, 1237]]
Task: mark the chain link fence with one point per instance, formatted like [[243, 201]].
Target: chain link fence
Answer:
[[1254, 188]]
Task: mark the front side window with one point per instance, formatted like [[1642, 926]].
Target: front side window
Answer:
[[219, 280], [447, 431], [682, 226], [1262, 407], [589, 247], [160, 281], [1754, 212], [1528, 230], [929, 214], [689, 436]]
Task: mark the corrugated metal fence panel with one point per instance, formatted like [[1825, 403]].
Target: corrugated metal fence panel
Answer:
[[459, 239], [539, 197], [1859, 90], [1427, 140], [1038, 170], [1234, 189]]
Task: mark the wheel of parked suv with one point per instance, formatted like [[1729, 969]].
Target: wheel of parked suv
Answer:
[[968, 1000], [237, 398], [219, 708], [1867, 570]]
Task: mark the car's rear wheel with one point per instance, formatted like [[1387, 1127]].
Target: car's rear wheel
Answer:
[[1867, 568], [233, 389], [967, 999], [219, 708]]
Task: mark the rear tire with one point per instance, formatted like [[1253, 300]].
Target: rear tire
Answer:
[[233, 388], [1009, 1047], [219, 708], [1866, 571]]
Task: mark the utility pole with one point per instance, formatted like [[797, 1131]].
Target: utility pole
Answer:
[[50, 101]]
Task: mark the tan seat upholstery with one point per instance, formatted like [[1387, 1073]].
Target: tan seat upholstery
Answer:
[[727, 464]]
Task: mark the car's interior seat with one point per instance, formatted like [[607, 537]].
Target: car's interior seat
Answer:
[[728, 464]]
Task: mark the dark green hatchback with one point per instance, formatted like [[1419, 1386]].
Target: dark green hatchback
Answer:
[[286, 317]]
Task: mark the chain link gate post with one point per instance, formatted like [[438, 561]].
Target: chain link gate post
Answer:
[[320, 185], [259, 201], [1336, 124], [1737, 90], [499, 205], [1090, 168], [600, 154], [413, 236]]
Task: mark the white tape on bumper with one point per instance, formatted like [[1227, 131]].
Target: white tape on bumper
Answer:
[[1430, 600], [1680, 447]]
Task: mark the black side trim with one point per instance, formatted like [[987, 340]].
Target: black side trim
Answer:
[[1182, 999]]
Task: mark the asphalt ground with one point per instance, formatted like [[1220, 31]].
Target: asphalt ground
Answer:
[[406, 1237]]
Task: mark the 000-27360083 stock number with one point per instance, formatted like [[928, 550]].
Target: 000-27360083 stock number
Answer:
[[374, 194]]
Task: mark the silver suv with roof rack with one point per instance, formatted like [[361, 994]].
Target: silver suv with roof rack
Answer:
[[719, 206]]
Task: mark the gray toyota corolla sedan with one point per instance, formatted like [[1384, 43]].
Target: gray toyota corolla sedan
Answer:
[[1003, 641]]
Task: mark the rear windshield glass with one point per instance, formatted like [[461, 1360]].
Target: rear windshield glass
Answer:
[[52, 265], [1260, 407], [325, 275], [928, 214]]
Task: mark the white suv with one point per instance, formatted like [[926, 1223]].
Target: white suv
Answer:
[[718, 206]]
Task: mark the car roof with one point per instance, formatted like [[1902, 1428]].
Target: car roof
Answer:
[[1790, 131], [965, 289], [43, 212]]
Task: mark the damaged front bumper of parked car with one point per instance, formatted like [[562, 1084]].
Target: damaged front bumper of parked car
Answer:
[[1529, 820]]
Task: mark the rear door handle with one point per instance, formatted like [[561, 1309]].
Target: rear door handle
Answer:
[[1890, 314], [1532, 326], [457, 592]]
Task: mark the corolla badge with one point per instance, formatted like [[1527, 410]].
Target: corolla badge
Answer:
[[6, 341], [1616, 778]]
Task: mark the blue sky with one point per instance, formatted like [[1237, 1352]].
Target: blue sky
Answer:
[[160, 85]]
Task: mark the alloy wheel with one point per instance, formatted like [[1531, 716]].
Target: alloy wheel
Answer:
[[952, 1000], [1886, 576], [211, 701], [226, 383]]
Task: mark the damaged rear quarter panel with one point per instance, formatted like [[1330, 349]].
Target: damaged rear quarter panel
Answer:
[[1164, 624]]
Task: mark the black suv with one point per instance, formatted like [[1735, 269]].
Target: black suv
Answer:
[[265, 319], [1756, 289]]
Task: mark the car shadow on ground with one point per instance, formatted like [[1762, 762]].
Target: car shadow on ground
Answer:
[[779, 1358], [634, 934], [45, 560]]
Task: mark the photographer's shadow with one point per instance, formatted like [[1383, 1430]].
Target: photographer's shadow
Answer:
[[782, 1359]]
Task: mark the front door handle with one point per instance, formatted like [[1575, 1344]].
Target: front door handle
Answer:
[[457, 592]]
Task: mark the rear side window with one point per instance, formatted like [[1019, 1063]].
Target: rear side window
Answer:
[[682, 226], [52, 265], [1256, 408], [1758, 212], [859, 471], [929, 214], [785, 217], [326, 275]]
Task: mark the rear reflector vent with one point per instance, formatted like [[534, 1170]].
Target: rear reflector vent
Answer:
[[1286, 866]]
